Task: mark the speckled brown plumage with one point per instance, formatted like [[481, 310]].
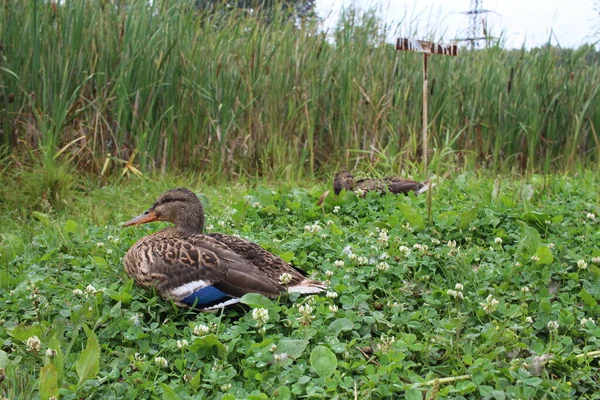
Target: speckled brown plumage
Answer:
[[181, 261], [345, 180]]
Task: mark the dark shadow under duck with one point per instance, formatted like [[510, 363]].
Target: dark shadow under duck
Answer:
[[345, 180], [205, 271]]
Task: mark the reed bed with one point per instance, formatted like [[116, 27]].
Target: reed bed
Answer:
[[162, 87]]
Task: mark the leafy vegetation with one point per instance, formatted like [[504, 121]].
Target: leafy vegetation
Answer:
[[160, 87], [492, 291]]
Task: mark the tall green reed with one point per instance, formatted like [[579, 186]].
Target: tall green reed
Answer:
[[234, 93]]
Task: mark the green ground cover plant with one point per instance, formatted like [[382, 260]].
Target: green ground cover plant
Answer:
[[488, 290]]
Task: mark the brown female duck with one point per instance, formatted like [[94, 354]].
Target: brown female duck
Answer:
[[345, 180], [205, 271]]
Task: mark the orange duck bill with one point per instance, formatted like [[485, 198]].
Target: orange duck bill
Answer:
[[148, 216]]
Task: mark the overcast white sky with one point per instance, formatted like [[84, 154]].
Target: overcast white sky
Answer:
[[523, 21]]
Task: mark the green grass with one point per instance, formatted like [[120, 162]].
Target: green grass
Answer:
[[390, 332], [233, 94]]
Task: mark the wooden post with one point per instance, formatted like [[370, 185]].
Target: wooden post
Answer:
[[426, 48]]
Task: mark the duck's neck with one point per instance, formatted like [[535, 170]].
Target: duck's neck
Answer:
[[191, 220]]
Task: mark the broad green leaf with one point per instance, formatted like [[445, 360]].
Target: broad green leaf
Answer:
[[3, 359], [544, 254], [342, 324], [255, 300], [498, 395], [99, 260], [209, 345], [527, 192], [323, 361], [466, 218], [24, 332], [48, 382], [413, 217], [282, 393], [70, 226], [168, 393], [292, 347], [58, 360], [88, 363], [288, 256], [195, 381], [530, 239], [413, 394], [588, 298]]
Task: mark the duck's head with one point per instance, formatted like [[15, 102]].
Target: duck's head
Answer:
[[343, 180], [178, 206]]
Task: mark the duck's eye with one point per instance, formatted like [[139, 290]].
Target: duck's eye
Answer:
[[168, 200]]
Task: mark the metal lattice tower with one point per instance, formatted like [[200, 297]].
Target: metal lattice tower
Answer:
[[476, 23]]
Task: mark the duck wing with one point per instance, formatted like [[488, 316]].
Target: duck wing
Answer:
[[270, 264], [196, 270], [399, 185]]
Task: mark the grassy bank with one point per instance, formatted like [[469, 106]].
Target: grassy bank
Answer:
[[235, 94], [523, 326]]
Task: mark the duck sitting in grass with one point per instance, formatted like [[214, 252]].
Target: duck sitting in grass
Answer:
[[205, 271], [345, 180]]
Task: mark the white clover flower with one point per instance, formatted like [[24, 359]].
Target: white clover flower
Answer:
[[551, 245], [285, 278], [352, 256], [529, 320], [459, 286], [584, 321], [384, 256], [331, 295], [361, 260], [338, 263], [281, 357], [273, 348], [359, 192], [305, 314], [109, 251], [498, 240], [596, 260], [553, 325], [490, 305], [209, 227], [114, 239], [225, 387], [435, 241], [182, 344], [161, 362], [525, 289], [386, 343], [34, 344], [78, 292], [100, 244], [383, 266], [347, 250], [336, 209], [329, 273], [329, 223], [256, 204], [405, 250], [591, 216], [581, 264], [452, 293], [139, 357], [260, 315], [333, 308], [51, 353], [535, 258], [452, 244], [90, 289], [135, 319], [383, 237]]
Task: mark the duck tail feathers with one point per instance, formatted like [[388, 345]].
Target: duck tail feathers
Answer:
[[426, 186], [307, 286]]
